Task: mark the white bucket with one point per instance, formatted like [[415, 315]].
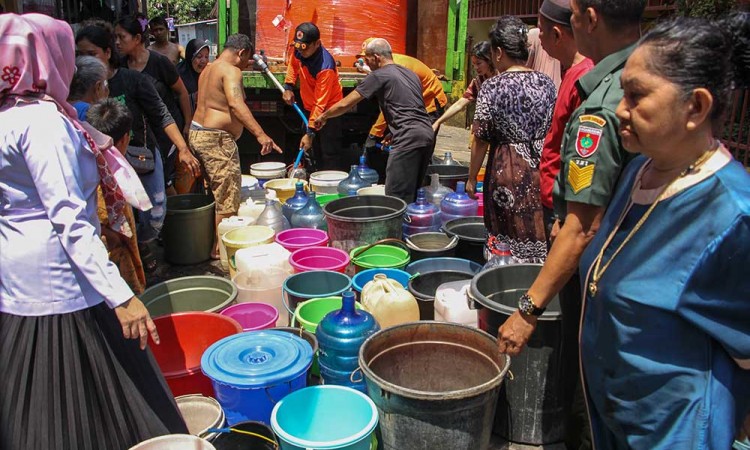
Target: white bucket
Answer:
[[175, 442], [263, 286], [327, 181], [200, 414], [375, 189], [226, 225], [268, 170]]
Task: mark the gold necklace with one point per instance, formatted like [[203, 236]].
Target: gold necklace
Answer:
[[598, 271]]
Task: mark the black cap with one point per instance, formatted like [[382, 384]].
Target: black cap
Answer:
[[557, 11], [306, 33]]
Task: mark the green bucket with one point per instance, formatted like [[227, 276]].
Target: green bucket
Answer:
[[380, 256], [311, 312], [327, 198]]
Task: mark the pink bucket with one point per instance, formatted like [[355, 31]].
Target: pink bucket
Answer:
[[253, 316], [298, 238], [319, 258]]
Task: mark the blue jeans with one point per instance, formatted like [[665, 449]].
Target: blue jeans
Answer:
[[149, 222]]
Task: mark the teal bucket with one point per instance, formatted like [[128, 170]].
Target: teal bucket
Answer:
[[325, 418]]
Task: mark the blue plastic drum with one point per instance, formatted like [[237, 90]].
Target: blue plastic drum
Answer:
[[252, 371]]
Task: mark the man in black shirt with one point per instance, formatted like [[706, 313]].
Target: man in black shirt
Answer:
[[399, 94]]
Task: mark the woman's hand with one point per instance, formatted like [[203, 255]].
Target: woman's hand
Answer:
[[471, 187], [136, 321]]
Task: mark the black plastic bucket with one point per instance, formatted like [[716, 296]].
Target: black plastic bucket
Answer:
[[431, 245], [424, 286], [241, 441], [449, 176], [435, 385], [363, 220], [472, 236], [530, 406], [189, 229]]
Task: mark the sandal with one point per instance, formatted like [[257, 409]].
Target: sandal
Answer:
[[148, 259]]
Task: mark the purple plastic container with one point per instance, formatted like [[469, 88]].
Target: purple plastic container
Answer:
[[297, 238], [458, 204], [421, 214], [253, 316]]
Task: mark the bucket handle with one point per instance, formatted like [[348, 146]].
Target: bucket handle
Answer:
[[382, 241], [268, 394], [351, 375], [472, 302], [285, 302], [454, 241]]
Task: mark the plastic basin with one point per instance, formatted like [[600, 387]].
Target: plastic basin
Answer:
[[194, 293], [362, 278], [297, 238], [179, 353], [380, 257], [319, 258], [253, 316]]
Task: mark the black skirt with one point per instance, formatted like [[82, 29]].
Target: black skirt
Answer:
[[72, 382]]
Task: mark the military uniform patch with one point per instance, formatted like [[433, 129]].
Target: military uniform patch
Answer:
[[593, 119], [580, 174], [587, 140]]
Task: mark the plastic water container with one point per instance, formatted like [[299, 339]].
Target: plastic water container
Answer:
[[253, 316], [263, 257], [458, 204], [295, 202], [340, 335], [285, 188], [297, 238], [501, 257], [375, 189], [175, 442], [325, 417], [326, 181], [263, 286], [272, 216], [435, 192], [251, 208], [366, 173], [200, 414], [451, 304], [421, 216], [310, 215], [248, 185], [228, 224], [353, 182], [244, 237], [253, 371]]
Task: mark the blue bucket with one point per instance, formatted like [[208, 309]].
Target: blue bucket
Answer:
[[252, 371], [324, 418], [361, 279]]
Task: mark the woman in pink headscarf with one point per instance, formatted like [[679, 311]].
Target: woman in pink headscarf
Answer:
[[73, 375]]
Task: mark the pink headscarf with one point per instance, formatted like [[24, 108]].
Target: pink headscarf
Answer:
[[37, 60]]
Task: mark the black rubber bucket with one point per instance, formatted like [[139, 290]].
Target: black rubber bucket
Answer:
[[363, 220], [189, 229], [435, 385], [472, 236], [424, 286], [449, 176], [241, 441], [431, 245], [530, 406]]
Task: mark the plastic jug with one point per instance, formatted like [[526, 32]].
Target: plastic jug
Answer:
[[451, 303], [299, 173], [435, 192], [458, 204], [272, 216], [421, 216], [388, 301], [251, 209], [295, 202], [448, 160], [340, 335], [229, 224], [310, 216], [352, 183], [500, 256], [369, 175], [264, 256]]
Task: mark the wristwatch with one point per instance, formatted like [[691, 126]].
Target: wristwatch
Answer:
[[311, 133], [527, 307]]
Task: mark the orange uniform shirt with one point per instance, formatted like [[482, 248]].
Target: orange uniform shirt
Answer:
[[319, 83]]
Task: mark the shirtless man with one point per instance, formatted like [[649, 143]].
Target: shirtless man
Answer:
[[160, 30], [220, 116]]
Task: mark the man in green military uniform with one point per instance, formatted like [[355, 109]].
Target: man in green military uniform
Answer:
[[591, 161]]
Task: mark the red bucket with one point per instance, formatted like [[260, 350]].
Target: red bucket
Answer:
[[298, 238], [184, 337], [319, 258]]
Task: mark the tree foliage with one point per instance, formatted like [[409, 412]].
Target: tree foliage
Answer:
[[705, 8], [183, 11]]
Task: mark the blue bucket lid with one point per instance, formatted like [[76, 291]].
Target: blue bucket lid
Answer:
[[257, 359]]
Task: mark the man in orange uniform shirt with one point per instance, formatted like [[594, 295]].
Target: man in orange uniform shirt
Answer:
[[320, 89]]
